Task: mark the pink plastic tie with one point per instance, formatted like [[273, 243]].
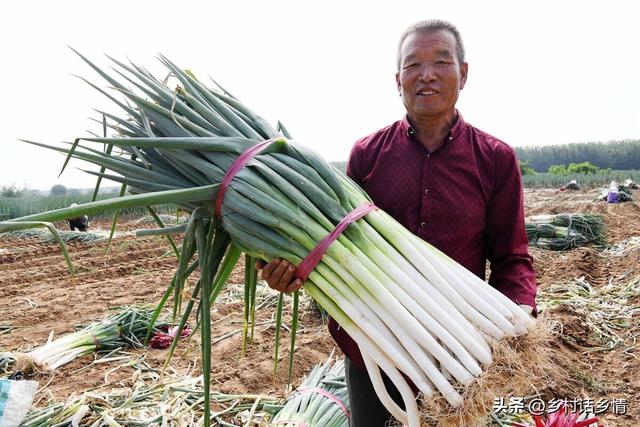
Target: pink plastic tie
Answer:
[[236, 166], [96, 342], [329, 396], [304, 269]]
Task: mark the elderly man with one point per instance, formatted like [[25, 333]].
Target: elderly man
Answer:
[[451, 184]]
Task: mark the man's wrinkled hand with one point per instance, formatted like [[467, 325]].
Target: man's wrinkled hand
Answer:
[[279, 275]]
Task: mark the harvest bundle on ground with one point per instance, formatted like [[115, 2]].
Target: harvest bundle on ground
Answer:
[[126, 328], [321, 399], [564, 231]]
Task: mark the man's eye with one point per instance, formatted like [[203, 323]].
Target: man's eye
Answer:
[[411, 65], [442, 63]]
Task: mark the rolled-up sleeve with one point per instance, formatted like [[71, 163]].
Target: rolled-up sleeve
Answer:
[[507, 246]]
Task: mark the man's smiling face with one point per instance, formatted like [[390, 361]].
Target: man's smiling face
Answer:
[[430, 76]]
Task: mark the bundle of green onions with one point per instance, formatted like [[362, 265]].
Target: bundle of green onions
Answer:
[[126, 328], [554, 237], [587, 228], [564, 231], [320, 401], [410, 308], [69, 413]]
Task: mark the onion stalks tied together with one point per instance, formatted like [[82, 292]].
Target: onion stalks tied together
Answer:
[[410, 308], [127, 328], [321, 400]]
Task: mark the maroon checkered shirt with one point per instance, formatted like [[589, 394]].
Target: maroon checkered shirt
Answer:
[[465, 198]]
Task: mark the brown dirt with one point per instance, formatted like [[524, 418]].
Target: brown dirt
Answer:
[[606, 375], [38, 296]]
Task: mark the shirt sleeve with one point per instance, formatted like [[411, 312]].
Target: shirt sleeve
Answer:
[[507, 248], [354, 164]]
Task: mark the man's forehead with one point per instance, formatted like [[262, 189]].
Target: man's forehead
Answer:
[[437, 52], [442, 40]]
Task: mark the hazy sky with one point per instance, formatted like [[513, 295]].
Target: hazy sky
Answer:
[[540, 72]]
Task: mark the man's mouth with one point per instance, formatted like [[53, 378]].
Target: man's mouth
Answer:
[[427, 92]]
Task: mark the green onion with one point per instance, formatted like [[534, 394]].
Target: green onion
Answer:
[[320, 400], [409, 307], [128, 327], [564, 231]]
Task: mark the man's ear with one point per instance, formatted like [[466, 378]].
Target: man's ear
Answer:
[[398, 83], [464, 70]]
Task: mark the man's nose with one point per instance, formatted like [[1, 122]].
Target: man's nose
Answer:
[[427, 72]]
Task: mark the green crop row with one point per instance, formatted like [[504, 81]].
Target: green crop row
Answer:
[[14, 207], [601, 179]]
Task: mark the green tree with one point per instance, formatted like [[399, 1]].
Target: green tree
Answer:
[[617, 155], [58, 190], [558, 170], [525, 168], [583, 168], [10, 191]]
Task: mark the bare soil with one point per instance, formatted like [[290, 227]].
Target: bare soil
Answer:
[[599, 375], [38, 297]]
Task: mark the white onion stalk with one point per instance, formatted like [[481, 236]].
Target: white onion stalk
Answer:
[[409, 307], [125, 328], [321, 399]]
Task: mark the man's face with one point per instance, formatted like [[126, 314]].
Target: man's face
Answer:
[[430, 77]]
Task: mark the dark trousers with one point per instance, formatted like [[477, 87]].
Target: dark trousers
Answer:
[[366, 408], [80, 224]]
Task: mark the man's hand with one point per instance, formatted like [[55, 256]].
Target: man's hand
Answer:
[[279, 275]]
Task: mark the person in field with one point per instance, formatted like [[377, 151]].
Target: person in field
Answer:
[[455, 186], [81, 223]]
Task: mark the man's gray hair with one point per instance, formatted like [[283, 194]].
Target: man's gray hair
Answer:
[[431, 26]]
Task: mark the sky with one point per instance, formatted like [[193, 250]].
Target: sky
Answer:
[[540, 72]]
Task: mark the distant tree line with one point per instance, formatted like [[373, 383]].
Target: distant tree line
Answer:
[[617, 155], [10, 191]]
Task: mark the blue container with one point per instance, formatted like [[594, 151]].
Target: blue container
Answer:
[[612, 197]]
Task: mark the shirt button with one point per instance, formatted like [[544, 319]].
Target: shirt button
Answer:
[[423, 224], [429, 156], [426, 191]]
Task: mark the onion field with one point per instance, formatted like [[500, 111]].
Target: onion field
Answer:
[[14, 207], [600, 179], [590, 294]]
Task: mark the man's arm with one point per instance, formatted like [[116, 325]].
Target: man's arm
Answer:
[[507, 250]]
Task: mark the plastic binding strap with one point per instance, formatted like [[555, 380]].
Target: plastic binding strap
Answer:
[[236, 166], [304, 269], [329, 396]]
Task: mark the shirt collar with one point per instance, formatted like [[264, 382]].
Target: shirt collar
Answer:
[[455, 131]]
